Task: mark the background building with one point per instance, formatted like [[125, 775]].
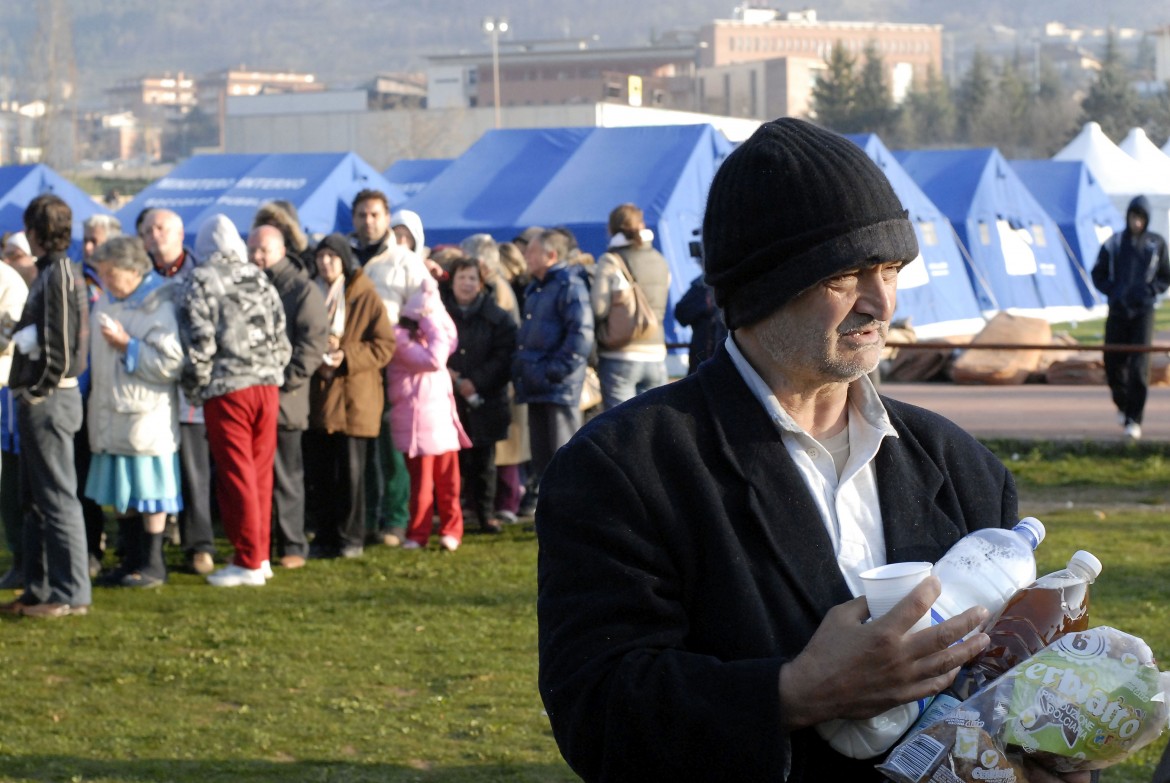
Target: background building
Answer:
[[756, 34], [547, 73]]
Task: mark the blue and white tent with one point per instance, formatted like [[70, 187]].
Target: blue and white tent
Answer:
[[320, 185], [21, 184], [1015, 246], [934, 291], [411, 175], [1071, 194], [573, 177]]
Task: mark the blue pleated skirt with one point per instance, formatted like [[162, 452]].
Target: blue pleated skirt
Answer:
[[140, 483]]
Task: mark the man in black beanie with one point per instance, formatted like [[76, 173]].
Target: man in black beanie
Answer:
[[701, 545]]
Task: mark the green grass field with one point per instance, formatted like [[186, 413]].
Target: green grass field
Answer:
[[409, 666]]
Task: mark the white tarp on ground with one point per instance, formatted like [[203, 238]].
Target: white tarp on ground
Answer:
[[1120, 174]]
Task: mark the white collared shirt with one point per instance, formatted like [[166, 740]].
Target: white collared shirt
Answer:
[[848, 503]]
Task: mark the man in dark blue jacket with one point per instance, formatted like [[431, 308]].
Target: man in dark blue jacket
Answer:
[[556, 336], [1132, 270]]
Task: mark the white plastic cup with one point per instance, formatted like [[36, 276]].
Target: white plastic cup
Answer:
[[886, 585]]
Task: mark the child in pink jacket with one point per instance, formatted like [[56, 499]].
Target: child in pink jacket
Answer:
[[423, 421]]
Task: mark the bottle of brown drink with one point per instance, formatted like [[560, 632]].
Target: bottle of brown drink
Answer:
[[1037, 615]]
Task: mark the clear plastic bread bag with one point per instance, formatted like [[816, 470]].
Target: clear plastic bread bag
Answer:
[[1087, 701]]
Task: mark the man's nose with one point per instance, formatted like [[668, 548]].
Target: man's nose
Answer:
[[877, 295]]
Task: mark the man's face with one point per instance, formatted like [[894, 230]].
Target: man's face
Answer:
[[371, 221], [538, 259], [835, 331], [265, 246], [94, 236], [163, 236], [1136, 222]]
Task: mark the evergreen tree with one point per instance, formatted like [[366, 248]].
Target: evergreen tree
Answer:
[[834, 94], [927, 118], [1158, 125], [1111, 101], [972, 101], [875, 111], [1054, 113], [1007, 118]]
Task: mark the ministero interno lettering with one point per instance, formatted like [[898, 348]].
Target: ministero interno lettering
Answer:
[[224, 183], [1114, 714]]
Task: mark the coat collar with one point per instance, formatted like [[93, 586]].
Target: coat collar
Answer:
[[783, 513], [781, 505]]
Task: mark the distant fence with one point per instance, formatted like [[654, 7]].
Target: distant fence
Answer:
[[1108, 348], [923, 346]]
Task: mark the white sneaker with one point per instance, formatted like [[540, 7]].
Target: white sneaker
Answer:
[[1133, 431], [235, 576], [410, 544], [450, 543], [266, 569]]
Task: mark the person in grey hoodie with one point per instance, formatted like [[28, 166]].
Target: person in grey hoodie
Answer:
[[1132, 270], [232, 325]]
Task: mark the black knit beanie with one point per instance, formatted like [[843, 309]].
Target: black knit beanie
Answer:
[[791, 206], [339, 244]]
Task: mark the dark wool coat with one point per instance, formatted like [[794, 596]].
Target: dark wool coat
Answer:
[[682, 561], [487, 340], [351, 401], [305, 325]]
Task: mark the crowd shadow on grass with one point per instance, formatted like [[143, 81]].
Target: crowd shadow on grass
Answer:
[[63, 769]]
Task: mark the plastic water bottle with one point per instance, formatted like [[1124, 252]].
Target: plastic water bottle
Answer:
[[983, 568]]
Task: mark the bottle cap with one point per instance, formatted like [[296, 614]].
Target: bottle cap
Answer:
[[1031, 529], [1086, 561]]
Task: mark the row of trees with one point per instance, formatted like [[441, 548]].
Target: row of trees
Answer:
[[1020, 105]]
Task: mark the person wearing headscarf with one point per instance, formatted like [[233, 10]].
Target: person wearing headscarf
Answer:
[[346, 399]]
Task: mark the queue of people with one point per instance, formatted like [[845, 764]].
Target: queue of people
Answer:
[[326, 393]]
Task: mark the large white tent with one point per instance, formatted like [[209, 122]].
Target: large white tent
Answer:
[[1153, 161], [1120, 174]]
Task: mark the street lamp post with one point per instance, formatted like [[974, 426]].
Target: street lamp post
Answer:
[[493, 26]]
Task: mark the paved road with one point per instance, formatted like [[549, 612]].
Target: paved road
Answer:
[[1036, 411]]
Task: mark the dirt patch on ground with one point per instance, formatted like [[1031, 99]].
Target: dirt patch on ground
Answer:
[[1039, 500]]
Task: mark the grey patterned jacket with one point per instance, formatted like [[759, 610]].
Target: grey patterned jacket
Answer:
[[231, 320]]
